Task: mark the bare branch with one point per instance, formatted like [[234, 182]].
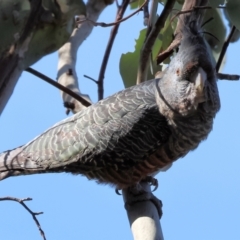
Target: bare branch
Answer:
[[224, 48], [86, 76], [231, 77], [102, 24], [113, 34], [143, 210], [147, 47], [59, 86], [34, 214]]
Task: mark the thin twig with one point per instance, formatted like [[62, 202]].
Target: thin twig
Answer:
[[90, 78], [117, 4], [102, 24], [113, 34], [231, 77], [224, 48], [34, 214], [59, 86], [209, 7], [147, 48]]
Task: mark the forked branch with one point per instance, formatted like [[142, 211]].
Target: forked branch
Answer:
[[34, 214]]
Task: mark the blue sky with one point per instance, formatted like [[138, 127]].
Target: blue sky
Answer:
[[200, 193]]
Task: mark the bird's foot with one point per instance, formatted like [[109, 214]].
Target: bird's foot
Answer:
[[152, 181], [149, 179], [140, 193]]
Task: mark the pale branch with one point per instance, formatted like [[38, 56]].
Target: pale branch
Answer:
[[121, 10], [224, 49], [148, 44], [34, 214], [68, 55], [143, 210], [47, 79], [102, 24]]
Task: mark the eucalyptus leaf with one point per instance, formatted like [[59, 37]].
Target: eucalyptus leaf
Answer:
[[136, 4], [129, 62], [215, 3]]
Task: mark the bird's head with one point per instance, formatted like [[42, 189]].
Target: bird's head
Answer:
[[189, 82]]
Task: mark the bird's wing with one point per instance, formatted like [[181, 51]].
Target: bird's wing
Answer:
[[104, 131]]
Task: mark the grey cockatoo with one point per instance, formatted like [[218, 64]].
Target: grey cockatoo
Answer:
[[134, 133]]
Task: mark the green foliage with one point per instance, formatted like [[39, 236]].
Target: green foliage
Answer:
[[216, 3], [129, 62], [233, 10], [136, 4]]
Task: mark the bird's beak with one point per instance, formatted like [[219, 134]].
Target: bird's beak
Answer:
[[199, 82]]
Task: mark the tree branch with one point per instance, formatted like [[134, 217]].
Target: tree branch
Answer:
[[68, 55], [224, 49], [59, 86], [146, 14], [102, 24], [147, 47], [231, 77], [143, 210], [34, 214], [120, 12]]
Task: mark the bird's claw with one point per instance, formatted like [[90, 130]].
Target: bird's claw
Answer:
[[152, 181], [117, 191], [137, 194]]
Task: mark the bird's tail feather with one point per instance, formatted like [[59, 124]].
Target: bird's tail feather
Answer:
[[13, 163]]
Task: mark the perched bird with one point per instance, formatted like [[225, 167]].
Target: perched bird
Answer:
[[128, 136]]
